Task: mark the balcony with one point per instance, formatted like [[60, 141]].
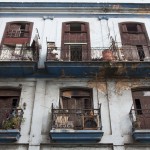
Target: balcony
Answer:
[[76, 126], [18, 60], [141, 124], [104, 62], [10, 121]]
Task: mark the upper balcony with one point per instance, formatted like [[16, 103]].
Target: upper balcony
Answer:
[[10, 121], [18, 60], [140, 124], [103, 62], [76, 125]]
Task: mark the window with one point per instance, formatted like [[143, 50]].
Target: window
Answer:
[[76, 110], [75, 27], [75, 41], [17, 33], [9, 101], [135, 41], [140, 52], [141, 100], [76, 52], [132, 27], [76, 98]]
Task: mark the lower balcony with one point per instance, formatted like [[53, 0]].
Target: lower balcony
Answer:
[[76, 126], [18, 60], [141, 124], [10, 121]]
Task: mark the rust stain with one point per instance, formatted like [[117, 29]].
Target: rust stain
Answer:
[[121, 86], [127, 85], [134, 66], [101, 86], [121, 69]]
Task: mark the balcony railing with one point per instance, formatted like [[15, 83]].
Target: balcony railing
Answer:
[[112, 53], [19, 53], [77, 119], [10, 118], [140, 118]]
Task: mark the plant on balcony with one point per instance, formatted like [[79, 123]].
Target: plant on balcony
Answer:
[[13, 119], [12, 123], [137, 123]]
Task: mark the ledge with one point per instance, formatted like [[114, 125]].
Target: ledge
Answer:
[[141, 135], [8, 136], [76, 136], [17, 68]]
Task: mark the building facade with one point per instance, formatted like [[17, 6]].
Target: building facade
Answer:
[[75, 75]]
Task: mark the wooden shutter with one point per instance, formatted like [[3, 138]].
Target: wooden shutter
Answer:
[[69, 37], [143, 116], [25, 39], [134, 38]]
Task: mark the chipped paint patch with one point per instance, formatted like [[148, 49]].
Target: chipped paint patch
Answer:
[[125, 84], [101, 86]]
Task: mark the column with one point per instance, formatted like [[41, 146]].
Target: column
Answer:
[[36, 123], [48, 29]]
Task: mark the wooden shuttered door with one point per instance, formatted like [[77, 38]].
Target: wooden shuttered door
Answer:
[[75, 101], [75, 33], [9, 99], [142, 106], [17, 33], [133, 35]]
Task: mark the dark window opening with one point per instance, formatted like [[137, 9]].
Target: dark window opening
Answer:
[[76, 52], [138, 106], [132, 27], [15, 103], [75, 27], [140, 52]]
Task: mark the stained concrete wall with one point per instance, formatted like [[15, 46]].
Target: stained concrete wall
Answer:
[[39, 94], [114, 95]]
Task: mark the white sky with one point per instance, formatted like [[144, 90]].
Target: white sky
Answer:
[[98, 1]]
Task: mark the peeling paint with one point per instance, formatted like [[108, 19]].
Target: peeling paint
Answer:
[[134, 65], [101, 86], [127, 85]]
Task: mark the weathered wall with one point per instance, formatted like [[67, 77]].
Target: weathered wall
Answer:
[[50, 30], [114, 95]]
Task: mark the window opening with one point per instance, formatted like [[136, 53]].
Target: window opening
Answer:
[[14, 102], [76, 52], [138, 106], [132, 27], [75, 27], [140, 52]]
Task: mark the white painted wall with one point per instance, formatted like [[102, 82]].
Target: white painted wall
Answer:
[[39, 94], [50, 30], [114, 95]]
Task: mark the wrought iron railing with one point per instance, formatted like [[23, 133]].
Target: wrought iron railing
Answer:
[[140, 118], [19, 53], [77, 119], [112, 53], [11, 118]]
